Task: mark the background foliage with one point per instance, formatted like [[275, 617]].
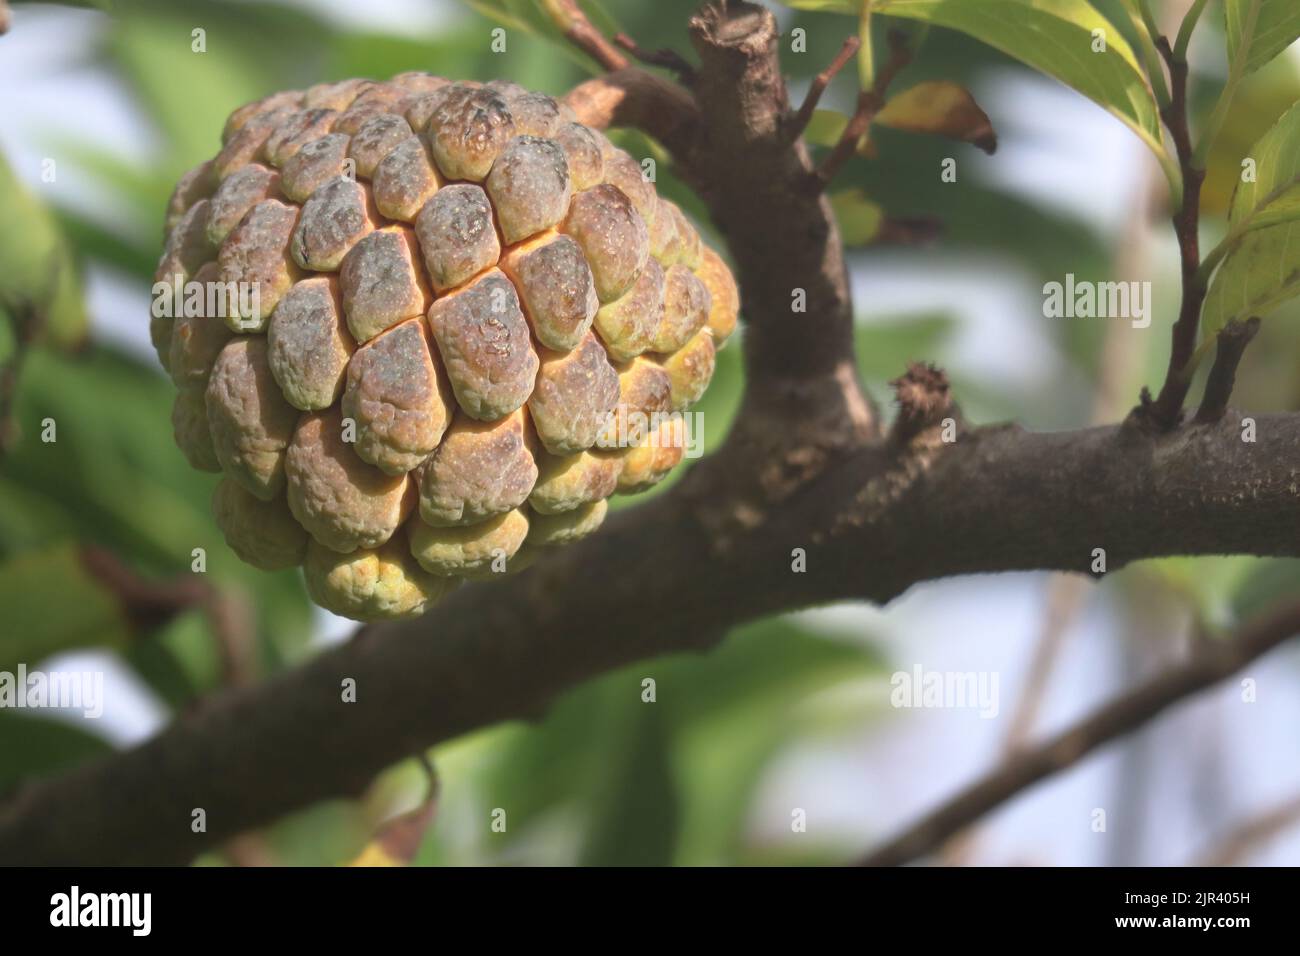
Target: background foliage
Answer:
[[602, 778]]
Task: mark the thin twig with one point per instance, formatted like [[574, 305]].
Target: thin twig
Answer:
[[1232, 342], [149, 604], [870, 102], [1166, 411], [568, 16], [1251, 834], [1122, 715], [668, 59], [799, 121]]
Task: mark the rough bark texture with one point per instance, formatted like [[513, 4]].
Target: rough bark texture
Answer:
[[807, 466]]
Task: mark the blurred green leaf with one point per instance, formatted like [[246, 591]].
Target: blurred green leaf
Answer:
[[39, 746], [634, 811], [684, 767], [1262, 268], [1272, 196], [113, 476], [38, 269], [859, 218], [825, 127], [1266, 583], [454, 54], [1258, 30], [885, 347], [107, 5], [825, 6], [1055, 37], [52, 603], [530, 17], [1260, 274], [250, 50], [1255, 108]]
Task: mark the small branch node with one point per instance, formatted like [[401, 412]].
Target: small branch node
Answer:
[[924, 401], [1232, 342]]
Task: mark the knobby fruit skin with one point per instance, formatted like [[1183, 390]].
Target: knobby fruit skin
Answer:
[[434, 324]]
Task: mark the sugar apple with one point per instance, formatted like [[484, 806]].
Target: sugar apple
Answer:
[[424, 329]]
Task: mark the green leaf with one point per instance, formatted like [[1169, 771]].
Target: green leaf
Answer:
[[825, 127], [1262, 267], [635, 813], [52, 603], [115, 477], [1258, 30], [884, 346], [38, 268], [1260, 274], [860, 218], [824, 6], [685, 767], [37, 746], [1274, 195], [1055, 37]]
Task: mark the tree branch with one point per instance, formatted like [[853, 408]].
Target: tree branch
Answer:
[[1253, 833], [1209, 665], [148, 604], [1231, 345], [1166, 411], [668, 59], [669, 576], [870, 102], [569, 17], [799, 121]]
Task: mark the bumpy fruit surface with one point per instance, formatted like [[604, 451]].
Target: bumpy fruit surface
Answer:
[[425, 329]]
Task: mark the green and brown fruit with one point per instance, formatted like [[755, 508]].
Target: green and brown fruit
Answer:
[[463, 299]]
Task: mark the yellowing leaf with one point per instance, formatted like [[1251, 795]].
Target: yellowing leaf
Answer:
[[398, 840], [940, 107], [1057, 37], [1258, 30]]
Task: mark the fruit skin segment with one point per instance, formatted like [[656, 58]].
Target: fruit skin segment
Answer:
[[465, 309]]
